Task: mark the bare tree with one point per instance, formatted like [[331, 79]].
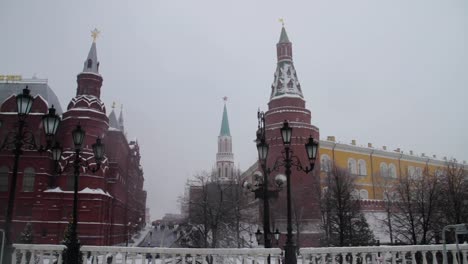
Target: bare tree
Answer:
[[454, 185], [416, 218], [215, 216], [342, 220]]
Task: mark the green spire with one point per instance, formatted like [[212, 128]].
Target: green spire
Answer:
[[284, 36], [225, 124]]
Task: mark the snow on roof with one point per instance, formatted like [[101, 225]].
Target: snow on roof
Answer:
[[86, 190]]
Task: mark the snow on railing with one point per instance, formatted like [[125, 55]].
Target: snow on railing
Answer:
[[49, 254], [415, 254], [430, 254]]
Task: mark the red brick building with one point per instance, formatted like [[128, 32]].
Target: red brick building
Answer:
[[109, 199]]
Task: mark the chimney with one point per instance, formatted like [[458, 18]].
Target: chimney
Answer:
[[423, 154], [331, 138], [445, 158], [369, 145], [464, 162], [353, 142], [434, 156], [398, 150], [411, 152], [384, 147]]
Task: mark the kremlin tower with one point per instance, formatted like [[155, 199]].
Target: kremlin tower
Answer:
[[224, 157], [287, 103]]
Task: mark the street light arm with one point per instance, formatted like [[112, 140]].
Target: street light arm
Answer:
[[60, 169]]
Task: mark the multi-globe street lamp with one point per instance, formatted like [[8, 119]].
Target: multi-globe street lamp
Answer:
[[78, 134], [286, 160], [22, 139], [261, 186]]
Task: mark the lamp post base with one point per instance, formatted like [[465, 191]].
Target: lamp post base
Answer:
[[290, 254]]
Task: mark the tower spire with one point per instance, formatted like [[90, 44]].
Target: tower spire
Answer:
[[89, 80], [91, 64], [121, 119], [285, 83], [225, 157], [225, 122]]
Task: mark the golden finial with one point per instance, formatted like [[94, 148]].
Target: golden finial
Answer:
[[281, 20], [113, 105], [95, 34]]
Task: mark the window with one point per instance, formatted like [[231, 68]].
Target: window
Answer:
[[411, 172], [439, 173], [419, 172], [28, 179], [383, 169], [392, 171], [362, 167], [355, 194], [352, 166], [3, 179], [325, 164], [71, 182], [364, 194], [90, 63]]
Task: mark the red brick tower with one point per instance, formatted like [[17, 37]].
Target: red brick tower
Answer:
[[287, 103]]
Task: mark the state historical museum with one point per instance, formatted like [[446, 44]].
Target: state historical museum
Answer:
[[111, 201]]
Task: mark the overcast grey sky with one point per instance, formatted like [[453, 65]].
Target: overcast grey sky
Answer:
[[393, 73]]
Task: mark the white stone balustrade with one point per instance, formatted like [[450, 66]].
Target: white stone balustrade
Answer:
[[419, 254], [48, 254], [430, 254]]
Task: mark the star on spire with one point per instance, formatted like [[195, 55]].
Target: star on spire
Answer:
[[95, 34], [281, 20]]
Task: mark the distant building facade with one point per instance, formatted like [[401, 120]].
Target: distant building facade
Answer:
[[108, 199]]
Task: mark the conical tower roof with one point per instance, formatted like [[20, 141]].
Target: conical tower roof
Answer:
[[91, 64], [284, 36], [225, 124], [113, 123]]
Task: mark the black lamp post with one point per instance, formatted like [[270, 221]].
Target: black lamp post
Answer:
[[287, 160], [78, 134], [20, 140], [261, 187]]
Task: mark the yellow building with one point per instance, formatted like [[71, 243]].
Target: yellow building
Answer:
[[377, 168]]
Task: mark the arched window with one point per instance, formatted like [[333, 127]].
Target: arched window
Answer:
[[29, 176], [3, 179], [439, 173], [355, 194], [225, 172], [71, 181], [383, 170], [352, 168], [392, 171], [411, 172], [90, 63], [325, 163], [364, 194], [362, 170], [419, 172]]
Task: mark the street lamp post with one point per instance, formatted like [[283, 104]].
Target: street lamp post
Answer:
[[286, 160], [20, 140], [261, 187], [78, 134]]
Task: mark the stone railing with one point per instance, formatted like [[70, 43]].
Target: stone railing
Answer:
[[430, 254], [49, 254]]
